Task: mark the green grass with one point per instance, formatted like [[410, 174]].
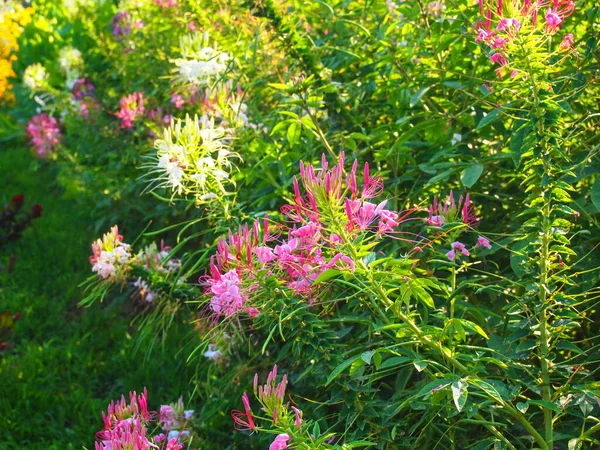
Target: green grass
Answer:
[[66, 363]]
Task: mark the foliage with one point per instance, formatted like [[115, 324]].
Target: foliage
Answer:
[[452, 308]]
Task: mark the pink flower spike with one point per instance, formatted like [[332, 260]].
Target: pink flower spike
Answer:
[[298, 419], [280, 442], [483, 242]]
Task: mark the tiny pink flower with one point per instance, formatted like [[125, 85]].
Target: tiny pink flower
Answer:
[[177, 101], [567, 42], [483, 242], [498, 58], [460, 247], [451, 255], [280, 442]]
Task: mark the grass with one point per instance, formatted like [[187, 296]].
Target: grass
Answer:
[[66, 363]]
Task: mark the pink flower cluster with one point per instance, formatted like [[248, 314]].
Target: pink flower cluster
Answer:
[[123, 24], [166, 3], [110, 255], [126, 425], [507, 28], [44, 133], [271, 396], [459, 248], [452, 211], [131, 107], [332, 204]]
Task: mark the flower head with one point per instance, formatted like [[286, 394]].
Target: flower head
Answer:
[[44, 134], [131, 108], [35, 78], [194, 158], [110, 255], [280, 442], [200, 64]]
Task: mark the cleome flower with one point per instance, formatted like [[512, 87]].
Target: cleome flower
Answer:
[[193, 158], [35, 78], [452, 211], [110, 255], [519, 21], [71, 63], [200, 64], [44, 134]]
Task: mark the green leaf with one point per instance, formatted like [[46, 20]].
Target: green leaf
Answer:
[[545, 405], [488, 389], [326, 275], [522, 407], [420, 365], [596, 194], [435, 386], [459, 394], [293, 133], [471, 174], [489, 118], [418, 95], [367, 356], [343, 366]]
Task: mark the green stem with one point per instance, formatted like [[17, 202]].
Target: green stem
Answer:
[[453, 288], [543, 267], [543, 319]]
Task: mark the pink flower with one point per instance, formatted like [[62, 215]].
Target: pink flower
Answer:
[[44, 133], [265, 254], [451, 255], [436, 221], [177, 101], [553, 21], [460, 247], [159, 438], [507, 24], [132, 106], [567, 42], [173, 444], [167, 417], [280, 442], [243, 421], [298, 414], [166, 3], [498, 58], [483, 242], [228, 299]]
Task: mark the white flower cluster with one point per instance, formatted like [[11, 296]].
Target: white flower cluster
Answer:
[[193, 158], [35, 77], [200, 64], [110, 255], [71, 62]]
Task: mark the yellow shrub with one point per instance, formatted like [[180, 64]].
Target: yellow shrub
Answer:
[[13, 17]]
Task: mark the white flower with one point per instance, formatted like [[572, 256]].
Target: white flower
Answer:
[[35, 77], [456, 138], [213, 353], [71, 62], [200, 63], [188, 413], [193, 158]]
